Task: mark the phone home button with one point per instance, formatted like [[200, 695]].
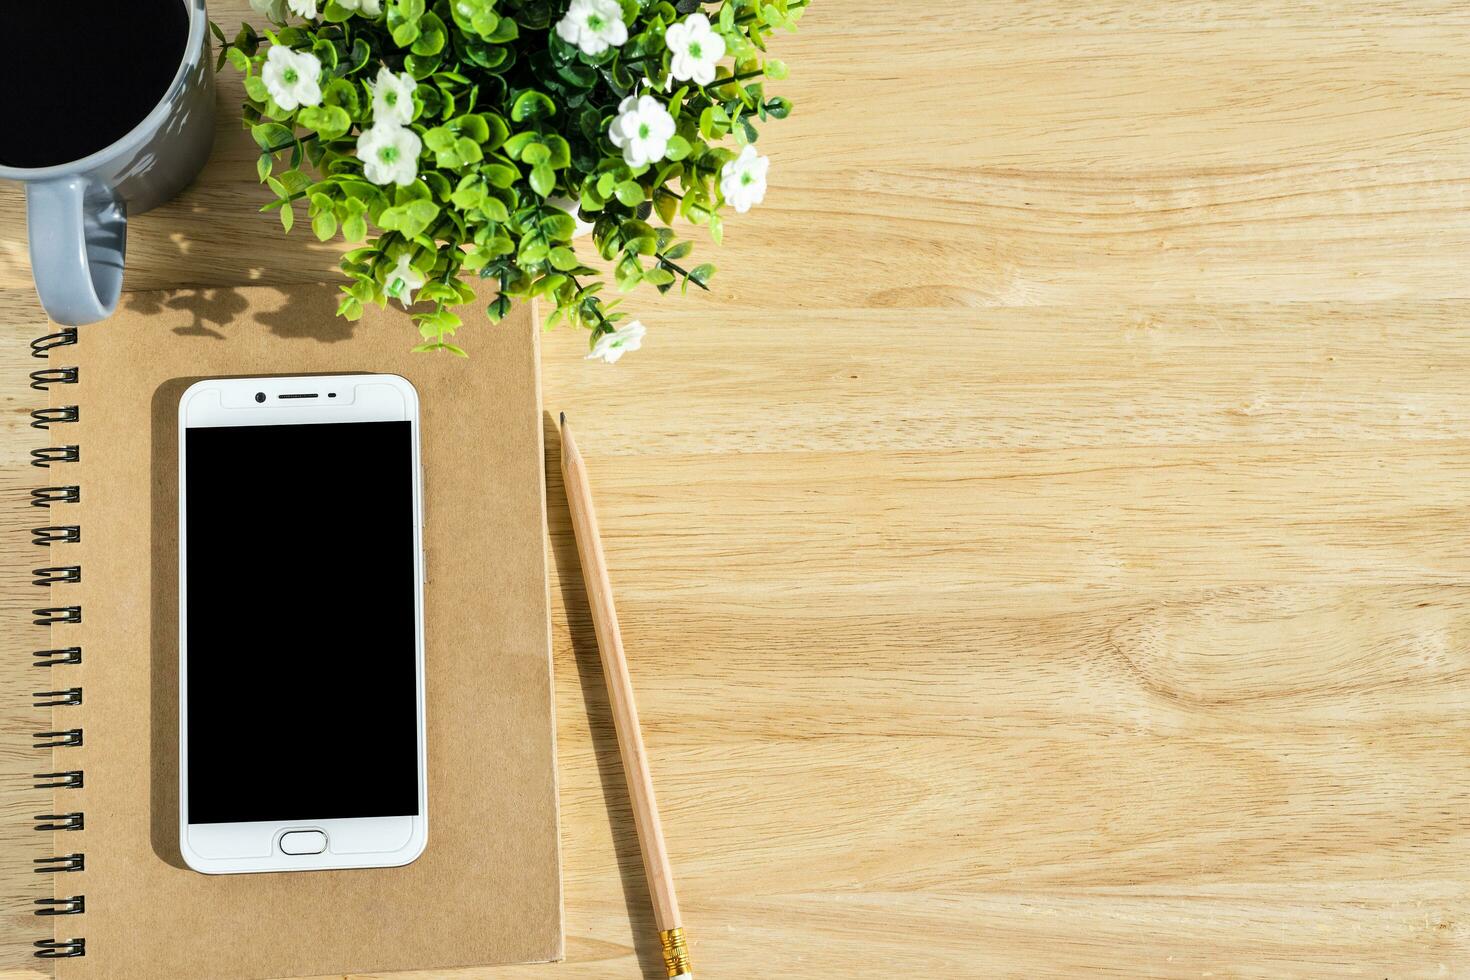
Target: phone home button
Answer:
[[303, 842]]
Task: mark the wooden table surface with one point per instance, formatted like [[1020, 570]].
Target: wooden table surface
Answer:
[[1044, 554]]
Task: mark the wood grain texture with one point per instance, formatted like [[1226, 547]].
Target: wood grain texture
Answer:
[[1043, 554]]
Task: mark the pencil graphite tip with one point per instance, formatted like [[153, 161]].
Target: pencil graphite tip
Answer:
[[563, 418]]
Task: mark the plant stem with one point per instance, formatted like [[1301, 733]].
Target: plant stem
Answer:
[[737, 78], [286, 146], [679, 270], [747, 18]]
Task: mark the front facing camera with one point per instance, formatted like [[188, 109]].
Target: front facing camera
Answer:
[[260, 396]]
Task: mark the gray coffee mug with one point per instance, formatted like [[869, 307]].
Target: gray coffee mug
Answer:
[[77, 213]]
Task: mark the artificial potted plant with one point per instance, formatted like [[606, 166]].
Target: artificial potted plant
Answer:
[[466, 138]]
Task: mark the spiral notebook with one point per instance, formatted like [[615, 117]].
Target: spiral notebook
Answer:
[[115, 899]]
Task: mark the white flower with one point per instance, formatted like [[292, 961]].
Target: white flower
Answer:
[[389, 154], [593, 25], [370, 7], [392, 97], [611, 346], [303, 8], [641, 130], [403, 280], [743, 179], [696, 48], [274, 9], [291, 77]]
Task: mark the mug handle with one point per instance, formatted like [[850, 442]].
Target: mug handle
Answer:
[[79, 232]]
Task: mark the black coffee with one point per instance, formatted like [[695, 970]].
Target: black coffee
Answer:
[[78, 74]]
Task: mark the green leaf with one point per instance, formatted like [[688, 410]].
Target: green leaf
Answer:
[[533, 249], [237, 59], [498, 309], [255, 88], [431, 36], [339, 91], [561, 151], [263, 166], [324, 225], [640, 236], [558, 225], [437, 322], [658, 277], [678, 148], [500, 175], [563, 258], [505, 31], [437, 292], [438, 345], [350, 308], [630, 193], [406, 33], [532, 105], [494, 209], [422, 66], [496, 132], [473, 126], [357, 58], [476, 17], [354, 226], [411, 218], [272, 136], [469, 194], [293, 182], [437, 183], [331, 121], [536, 154], [326, 53], [516, 144], [287, 217], [543, 180], [700, 275]]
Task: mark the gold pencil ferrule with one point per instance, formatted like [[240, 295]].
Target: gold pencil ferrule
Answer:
[[676, 952]]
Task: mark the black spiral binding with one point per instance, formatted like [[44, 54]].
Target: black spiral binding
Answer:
[[61, 696]]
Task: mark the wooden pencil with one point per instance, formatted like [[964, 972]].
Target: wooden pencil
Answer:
[[624, 710]]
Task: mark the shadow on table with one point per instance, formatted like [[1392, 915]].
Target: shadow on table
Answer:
[[309, 312], [163, 728], [599, 713]]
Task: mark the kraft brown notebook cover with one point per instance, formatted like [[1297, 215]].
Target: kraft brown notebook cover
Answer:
[[488, 887]]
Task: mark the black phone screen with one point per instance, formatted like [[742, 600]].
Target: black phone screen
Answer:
[[299, 622]]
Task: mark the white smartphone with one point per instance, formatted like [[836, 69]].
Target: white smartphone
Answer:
[[301, 625]]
